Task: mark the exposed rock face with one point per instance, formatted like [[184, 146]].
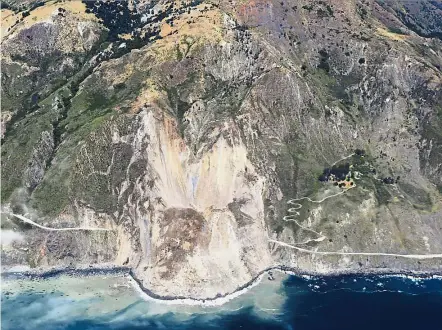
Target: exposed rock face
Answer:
[[186, 129], [40, 158]]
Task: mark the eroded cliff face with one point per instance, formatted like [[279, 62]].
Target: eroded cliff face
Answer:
[[185, 218], [188, 128], [203, 219]]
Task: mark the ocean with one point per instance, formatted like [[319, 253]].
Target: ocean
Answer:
[[355, 302]]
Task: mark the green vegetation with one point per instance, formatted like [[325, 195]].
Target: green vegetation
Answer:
[[382, 193], [420, 198], [82, 111], [17, 149], [309, 8], [52, 195]]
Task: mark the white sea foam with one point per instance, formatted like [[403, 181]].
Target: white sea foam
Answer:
[[414, 278], [196, 302], [19, 268]]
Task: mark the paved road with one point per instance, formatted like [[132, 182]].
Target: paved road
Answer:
[[408, 256], [29, 221]]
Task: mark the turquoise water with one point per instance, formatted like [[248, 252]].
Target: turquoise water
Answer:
[[288, 302]]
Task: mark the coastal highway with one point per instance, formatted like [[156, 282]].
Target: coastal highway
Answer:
[[29, 221], [407, 256]]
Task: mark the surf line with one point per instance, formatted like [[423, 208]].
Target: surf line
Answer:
[[29, 221], [218, 300], [407, 256]]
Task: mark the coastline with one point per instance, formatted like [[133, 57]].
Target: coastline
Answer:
[[79, 270], [218, 300], [222, 299]]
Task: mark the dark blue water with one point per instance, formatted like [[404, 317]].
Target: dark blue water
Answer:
[[344, 302]]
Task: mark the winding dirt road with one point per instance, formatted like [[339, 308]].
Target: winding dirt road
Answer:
[[295, 212]]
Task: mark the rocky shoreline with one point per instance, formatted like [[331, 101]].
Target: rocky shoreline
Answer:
[[84, 270], [108, 269], [222, 298]]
